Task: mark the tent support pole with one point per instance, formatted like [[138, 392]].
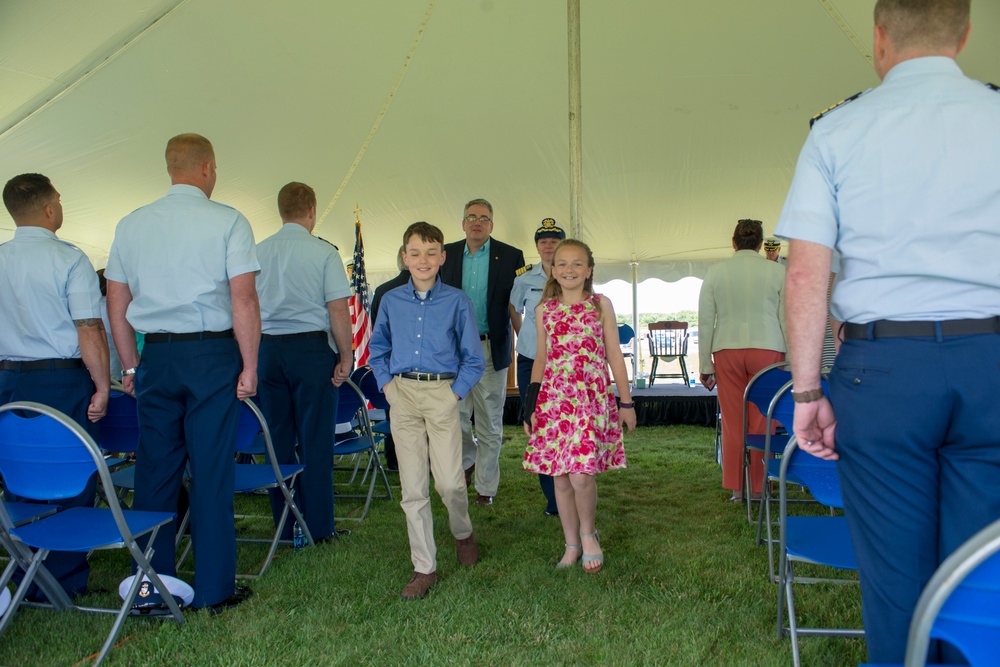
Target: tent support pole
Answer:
[[635, 316], [575, 133]]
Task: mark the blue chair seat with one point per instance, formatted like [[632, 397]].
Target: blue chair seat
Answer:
[[250, 477], [25, 512], [351, 446], [81, 528], [778, 441], [774, 471], [821, 539], [124, 478]]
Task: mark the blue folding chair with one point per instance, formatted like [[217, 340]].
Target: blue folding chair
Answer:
[[626, 334], [251, 477], [21, 513], [364, 378], [118, 431], [761, 389], [357, 440], [961, 604], [782, 410], [47, 457], [818, 540]]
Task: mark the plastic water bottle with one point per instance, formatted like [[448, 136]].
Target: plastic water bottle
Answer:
[[298, 537], [691, 380]]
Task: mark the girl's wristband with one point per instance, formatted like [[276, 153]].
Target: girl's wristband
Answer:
[[626, 406]]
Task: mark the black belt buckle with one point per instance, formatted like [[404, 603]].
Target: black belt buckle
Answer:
[[484, 336], [427, 377]]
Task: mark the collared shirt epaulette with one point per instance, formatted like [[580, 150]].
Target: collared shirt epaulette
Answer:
[[523, 269], [835, 106], [994, 87], [325, 241]]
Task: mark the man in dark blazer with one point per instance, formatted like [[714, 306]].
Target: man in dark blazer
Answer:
[[484, 269]]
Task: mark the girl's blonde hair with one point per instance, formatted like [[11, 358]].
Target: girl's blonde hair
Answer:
[[553, 290]]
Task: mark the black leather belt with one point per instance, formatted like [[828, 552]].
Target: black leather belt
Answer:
[[295, 336], [895, 329], [41, 365], [485, 336], [428, 377], [178, 337]]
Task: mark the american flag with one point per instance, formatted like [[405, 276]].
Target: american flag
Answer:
[[361, 324]]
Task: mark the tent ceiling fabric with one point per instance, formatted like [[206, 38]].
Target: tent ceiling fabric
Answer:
[[693, 113]]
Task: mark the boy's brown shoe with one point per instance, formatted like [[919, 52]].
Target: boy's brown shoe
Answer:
[[468, 551], [418, 586]]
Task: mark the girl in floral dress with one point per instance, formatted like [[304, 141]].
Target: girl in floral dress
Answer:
[[574, 427]]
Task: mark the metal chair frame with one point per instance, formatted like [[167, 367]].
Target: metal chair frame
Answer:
[[38, 449]]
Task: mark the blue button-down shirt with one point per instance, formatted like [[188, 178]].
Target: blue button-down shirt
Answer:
[[432, 335], [903, 183], [45, 284], [299, 275], [524, 296], [476, 281], [177, 256]]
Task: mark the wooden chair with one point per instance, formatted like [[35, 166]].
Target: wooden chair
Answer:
[[668, 341]]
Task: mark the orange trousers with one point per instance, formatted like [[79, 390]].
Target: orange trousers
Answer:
[[733, 370]]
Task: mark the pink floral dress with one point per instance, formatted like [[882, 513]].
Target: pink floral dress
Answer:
[[576, 429]]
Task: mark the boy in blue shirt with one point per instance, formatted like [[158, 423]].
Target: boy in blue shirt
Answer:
[[426, 355]]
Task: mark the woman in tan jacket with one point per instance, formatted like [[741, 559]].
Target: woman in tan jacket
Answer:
[[742, 329]]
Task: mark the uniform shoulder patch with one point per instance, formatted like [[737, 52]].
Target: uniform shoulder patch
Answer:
[[835, 107], [994, 87], [325, 241], [523, 269]]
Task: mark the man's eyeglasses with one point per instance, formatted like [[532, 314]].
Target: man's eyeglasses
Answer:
[[483, 219]]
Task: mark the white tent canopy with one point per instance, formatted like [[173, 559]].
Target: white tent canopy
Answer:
[[693, 112]]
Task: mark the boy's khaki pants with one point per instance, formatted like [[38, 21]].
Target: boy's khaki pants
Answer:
[[425, 425]]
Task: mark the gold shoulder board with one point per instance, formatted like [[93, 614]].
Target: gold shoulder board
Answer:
[[835, 106]]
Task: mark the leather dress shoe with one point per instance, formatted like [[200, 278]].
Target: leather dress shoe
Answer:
[[484, 500], [468, 475], [334, 536], [240, 595], [467, 550], [418, 586]]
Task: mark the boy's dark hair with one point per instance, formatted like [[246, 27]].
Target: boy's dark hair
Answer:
[[426, 231], [25, 193]]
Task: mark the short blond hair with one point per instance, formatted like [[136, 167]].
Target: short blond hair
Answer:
[[188, 152], [924, 24]]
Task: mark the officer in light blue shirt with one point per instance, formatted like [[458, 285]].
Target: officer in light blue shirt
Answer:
[[912, 410], [524, 296], [182, 271], [52, 344], [303, 293]]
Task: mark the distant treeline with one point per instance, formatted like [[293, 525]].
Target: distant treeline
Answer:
[[689, 316]]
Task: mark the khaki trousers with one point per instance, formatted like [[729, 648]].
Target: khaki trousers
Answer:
[[486, 400], [425, 425]]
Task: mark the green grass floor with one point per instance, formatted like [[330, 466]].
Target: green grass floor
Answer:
[[683, 584]]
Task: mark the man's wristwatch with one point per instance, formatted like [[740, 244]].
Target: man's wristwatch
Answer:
[[128, 371], [807, 396]]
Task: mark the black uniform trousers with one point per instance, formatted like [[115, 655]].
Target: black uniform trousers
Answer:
[[188, 416], [300, 404], [918, 432]]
